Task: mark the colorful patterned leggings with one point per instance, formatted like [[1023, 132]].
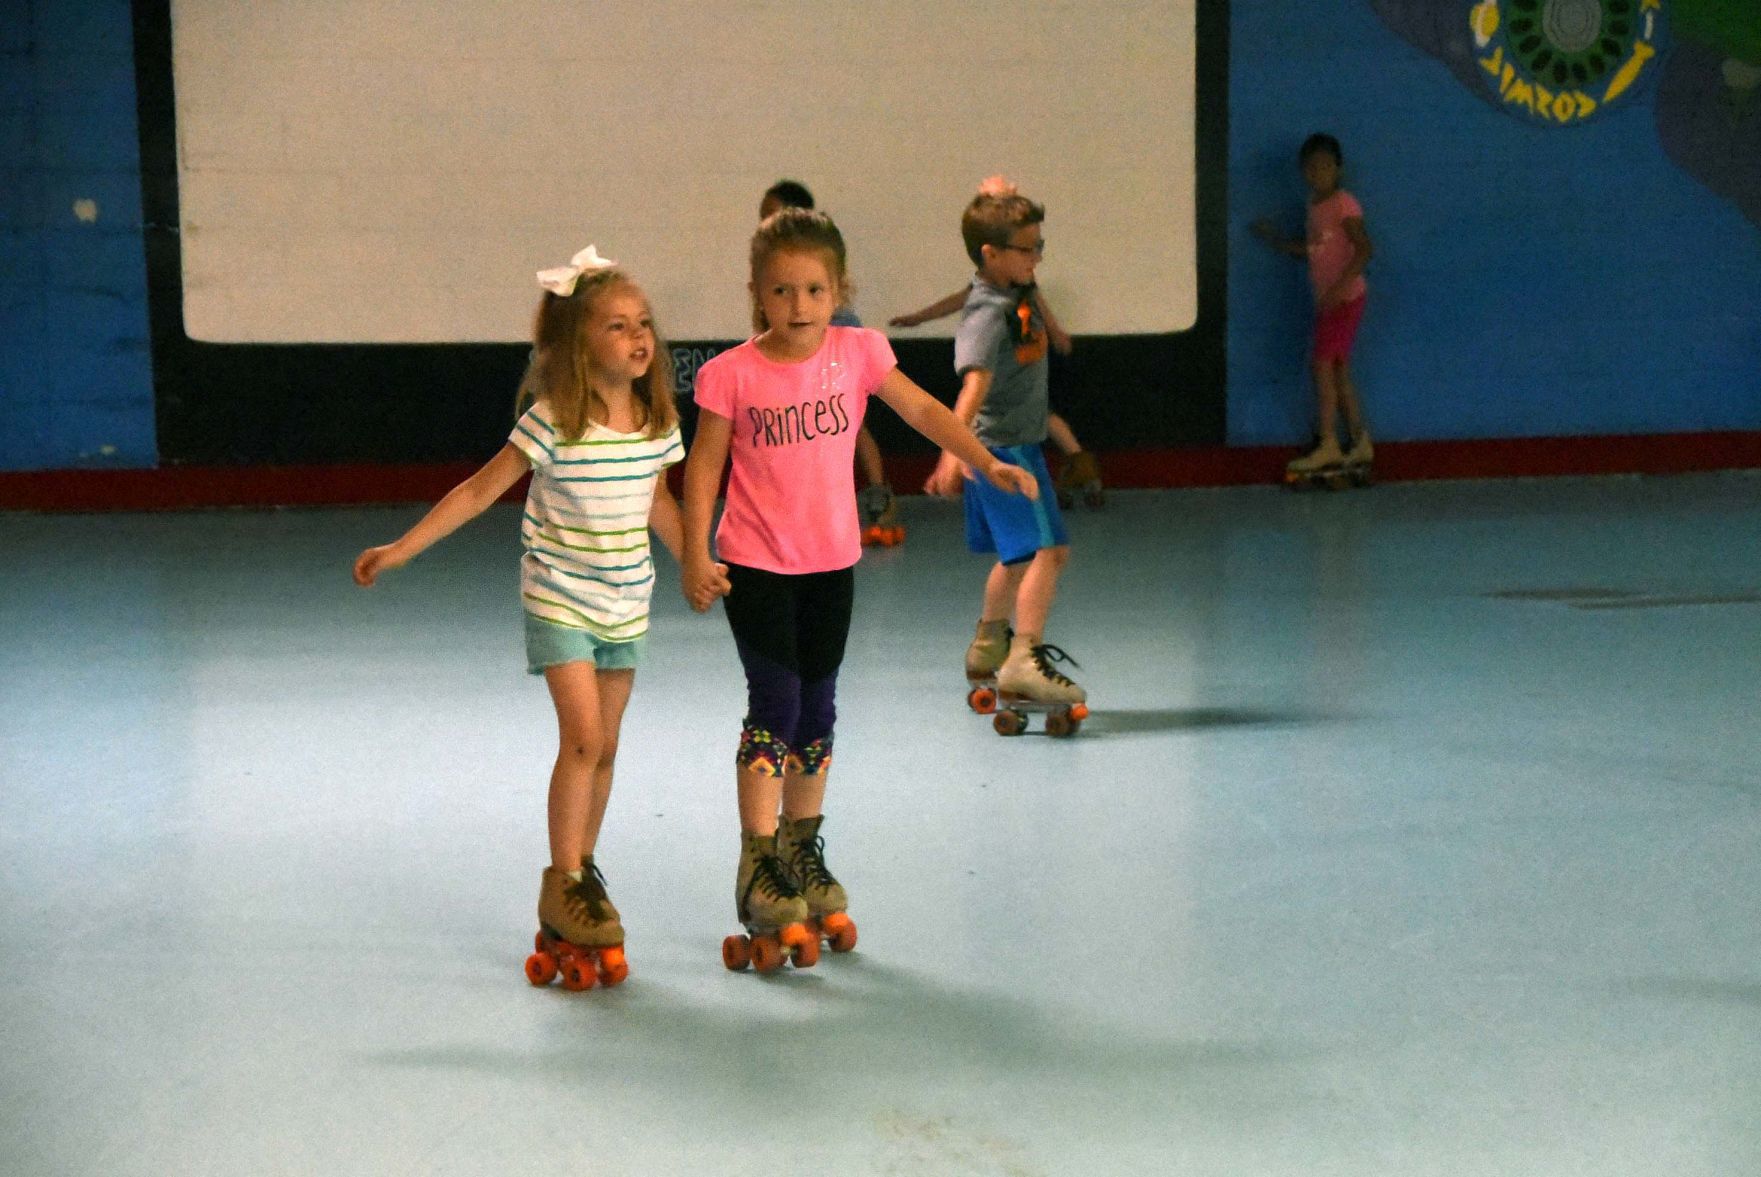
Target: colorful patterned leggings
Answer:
[[790, 631]]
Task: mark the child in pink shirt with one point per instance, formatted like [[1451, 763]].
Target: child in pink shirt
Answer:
[[785, 407], [1337, 249]]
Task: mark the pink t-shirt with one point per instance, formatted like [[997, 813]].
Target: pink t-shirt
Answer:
[[1330, 250], [792, 487]]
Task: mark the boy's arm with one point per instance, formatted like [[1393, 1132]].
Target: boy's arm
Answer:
[[940, 309], [701, 578], [1361, 249], [975, 385], [949, 429], [458, 507]]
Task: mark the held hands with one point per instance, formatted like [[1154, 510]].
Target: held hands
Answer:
[[703, 582], [370, 563]]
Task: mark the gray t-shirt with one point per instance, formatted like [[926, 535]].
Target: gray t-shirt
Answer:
[[1001, 332]]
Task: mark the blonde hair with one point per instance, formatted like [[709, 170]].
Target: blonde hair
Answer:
[[797, 230], [559, 371]]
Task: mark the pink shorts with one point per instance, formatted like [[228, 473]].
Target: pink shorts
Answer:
[[1336, 328]]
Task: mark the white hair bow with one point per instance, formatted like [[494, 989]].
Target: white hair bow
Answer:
[[561, 280]]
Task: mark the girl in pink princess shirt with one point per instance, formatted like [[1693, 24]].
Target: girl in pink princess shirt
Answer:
[[785, 407]]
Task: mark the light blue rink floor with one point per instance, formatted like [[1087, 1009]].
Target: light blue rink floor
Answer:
[[1417, 831]]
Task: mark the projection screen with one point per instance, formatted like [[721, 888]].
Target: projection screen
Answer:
[[389, 171]]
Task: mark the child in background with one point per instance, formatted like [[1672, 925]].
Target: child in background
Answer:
[[880, 514], [1080, 472], [599, 429], [1000, 356], [1337, 249], [785, 407]]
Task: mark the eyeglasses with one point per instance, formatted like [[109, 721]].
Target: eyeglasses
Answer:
[[1038, 248]]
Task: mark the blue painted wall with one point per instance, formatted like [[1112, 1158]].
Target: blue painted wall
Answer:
[[1528, 281], [75, 378]]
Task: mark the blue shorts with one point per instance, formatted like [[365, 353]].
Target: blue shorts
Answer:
[[1008, 524], [549, 644]]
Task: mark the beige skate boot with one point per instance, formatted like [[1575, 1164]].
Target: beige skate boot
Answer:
[[1028, 675], [580, 913], [989, 649], [765, 895], [1361, 453], [1325, 456], [803, 851]]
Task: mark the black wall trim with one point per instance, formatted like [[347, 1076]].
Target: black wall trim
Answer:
[[228, 404]]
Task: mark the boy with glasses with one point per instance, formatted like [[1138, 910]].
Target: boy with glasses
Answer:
[[1000, 356]]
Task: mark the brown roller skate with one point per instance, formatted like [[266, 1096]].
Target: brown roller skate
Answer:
[[579, 934], [770, 908], [1080, 475], [1028, 682], [803, 852]]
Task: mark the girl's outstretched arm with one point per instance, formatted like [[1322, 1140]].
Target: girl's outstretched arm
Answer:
[[937, 422], [940, 309], [461, 504], [702, 579]]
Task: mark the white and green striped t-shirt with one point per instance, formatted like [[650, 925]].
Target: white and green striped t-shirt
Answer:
[[586, 528]]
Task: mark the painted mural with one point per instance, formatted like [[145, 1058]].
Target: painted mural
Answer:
[[1558, 63]]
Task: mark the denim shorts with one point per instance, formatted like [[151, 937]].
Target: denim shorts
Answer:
[[550, 644]]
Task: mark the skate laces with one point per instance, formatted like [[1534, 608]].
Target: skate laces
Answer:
[[810, 864], [1045, 655], [771, 879], [589, 893]]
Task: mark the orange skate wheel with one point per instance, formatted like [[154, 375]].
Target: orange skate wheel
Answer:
[[736, 953], [1079, 712], [982, 700], [577, 974], [613, 965], [541, 969], [840, 930], [767, 954], [541, 943], [806, 955], [895, 536], [1009, 723], [1058, 724]]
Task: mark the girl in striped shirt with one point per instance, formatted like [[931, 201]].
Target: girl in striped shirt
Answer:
[[598, 427]]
